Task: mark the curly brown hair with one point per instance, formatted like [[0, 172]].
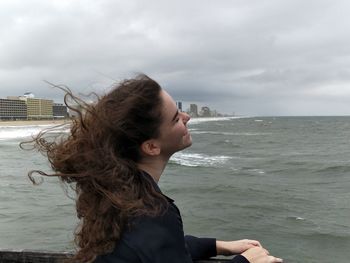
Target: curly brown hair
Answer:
[[99, 158]]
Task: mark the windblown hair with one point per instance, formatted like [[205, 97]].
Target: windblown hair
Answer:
[[99, 158]]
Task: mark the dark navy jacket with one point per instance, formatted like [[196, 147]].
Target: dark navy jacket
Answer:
[[161, 240]]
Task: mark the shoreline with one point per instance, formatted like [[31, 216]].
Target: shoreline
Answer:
[[14, 123], [33, 122]]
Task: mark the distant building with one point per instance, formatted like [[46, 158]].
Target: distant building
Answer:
[[13, 97], [13, 109], [193, 110], [59, 111], [30, 108], [179, 105], [205, 112], [38, 108]]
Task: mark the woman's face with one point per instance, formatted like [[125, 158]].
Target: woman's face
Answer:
[[174, 135]]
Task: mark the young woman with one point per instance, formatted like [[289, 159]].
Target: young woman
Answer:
[[114, 156]]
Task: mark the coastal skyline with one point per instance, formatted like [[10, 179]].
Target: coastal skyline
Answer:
[[256, 58], [16, 107]]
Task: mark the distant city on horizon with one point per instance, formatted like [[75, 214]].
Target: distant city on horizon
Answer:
[[205, 111], [28, 107]]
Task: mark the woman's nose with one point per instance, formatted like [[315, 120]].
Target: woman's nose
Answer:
[[186, 117]]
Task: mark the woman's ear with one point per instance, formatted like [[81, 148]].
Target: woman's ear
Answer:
[[150, 147]]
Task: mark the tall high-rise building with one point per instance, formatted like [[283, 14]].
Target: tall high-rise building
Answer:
[[179, 105], [193, 110], [205, 112]]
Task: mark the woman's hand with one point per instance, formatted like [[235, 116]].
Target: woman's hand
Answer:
[[228, 248], [260, 255]]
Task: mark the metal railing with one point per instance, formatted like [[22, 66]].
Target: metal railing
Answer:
[[32, 256]]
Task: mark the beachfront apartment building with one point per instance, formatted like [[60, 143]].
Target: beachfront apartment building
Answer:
[[28, 107], [38, 108], [59, 111], [13, 109]]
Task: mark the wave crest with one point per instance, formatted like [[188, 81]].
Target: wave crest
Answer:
[[196, 159]]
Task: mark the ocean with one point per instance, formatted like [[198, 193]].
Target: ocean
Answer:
[[284, 181]]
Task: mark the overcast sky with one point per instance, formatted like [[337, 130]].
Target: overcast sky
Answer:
[[273, 57]]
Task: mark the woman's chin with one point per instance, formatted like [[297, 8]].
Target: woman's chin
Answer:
[[187, 139]]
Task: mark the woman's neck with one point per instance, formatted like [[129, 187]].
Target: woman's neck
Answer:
[[153, 166]]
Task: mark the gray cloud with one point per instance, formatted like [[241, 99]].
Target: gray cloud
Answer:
[[252, 57]]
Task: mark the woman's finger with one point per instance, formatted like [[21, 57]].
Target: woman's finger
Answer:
[[275, 260], [255, 243]]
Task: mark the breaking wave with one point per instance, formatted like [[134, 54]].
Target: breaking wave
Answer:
[[200, 120], [196, 159], [19, 132]]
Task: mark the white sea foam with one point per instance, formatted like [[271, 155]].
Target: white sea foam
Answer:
[[200, 120], [19, 132], [228, 133], [298, 218], [259, 171], [196, 159], [212, 132]]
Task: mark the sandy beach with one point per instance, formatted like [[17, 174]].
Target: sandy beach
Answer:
[[33, 122]]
